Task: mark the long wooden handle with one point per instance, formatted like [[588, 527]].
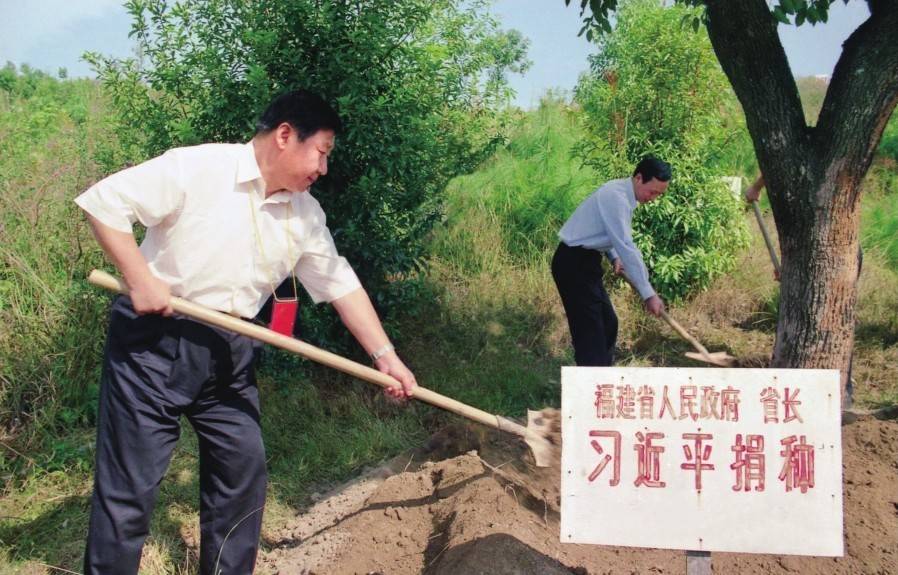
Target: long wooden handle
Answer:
[[767, 240], [301, 348], [674, 324], [683, 333]]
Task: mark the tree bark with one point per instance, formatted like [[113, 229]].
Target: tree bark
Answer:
[[813, 174]]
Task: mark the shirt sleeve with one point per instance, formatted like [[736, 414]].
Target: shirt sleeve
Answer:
[[145, 193], [324, 273], [616, 217]]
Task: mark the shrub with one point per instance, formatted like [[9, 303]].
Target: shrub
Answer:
[[417, 83], [656, 88]]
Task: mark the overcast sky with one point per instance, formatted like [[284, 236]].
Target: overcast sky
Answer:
[[49, 34]]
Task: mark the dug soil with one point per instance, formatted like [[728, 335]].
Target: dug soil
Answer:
[[469, 503]]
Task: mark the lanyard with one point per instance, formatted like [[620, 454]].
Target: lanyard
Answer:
[[267, 262]]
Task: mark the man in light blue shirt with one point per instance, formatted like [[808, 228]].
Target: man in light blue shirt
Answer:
[[602, 223]]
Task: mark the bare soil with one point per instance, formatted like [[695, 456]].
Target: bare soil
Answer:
[[469, 503]]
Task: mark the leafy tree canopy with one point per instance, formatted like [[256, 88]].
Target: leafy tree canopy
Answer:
[[418, 84]]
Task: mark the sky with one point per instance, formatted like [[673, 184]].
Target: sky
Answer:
[[50, 34]]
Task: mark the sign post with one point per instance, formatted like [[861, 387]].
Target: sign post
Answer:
[[698, 563], [698, 459]]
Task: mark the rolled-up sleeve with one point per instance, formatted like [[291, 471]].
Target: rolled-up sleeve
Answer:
[[324, 273], [146, 193]]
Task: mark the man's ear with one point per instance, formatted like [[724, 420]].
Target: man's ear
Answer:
[[638, 178], [282, 135]]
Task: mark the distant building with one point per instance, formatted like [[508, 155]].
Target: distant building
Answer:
[[822, 78]]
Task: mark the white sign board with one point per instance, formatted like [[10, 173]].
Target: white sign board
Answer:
[[740, 460]]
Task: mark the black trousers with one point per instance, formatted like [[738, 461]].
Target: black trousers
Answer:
[[578, 275], [157, 369]]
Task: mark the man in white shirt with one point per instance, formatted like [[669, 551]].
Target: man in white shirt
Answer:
[[226, 223], [602, 223]]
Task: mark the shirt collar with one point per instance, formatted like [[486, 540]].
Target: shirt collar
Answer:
[[631, 196], [248, 171], [247, 167]]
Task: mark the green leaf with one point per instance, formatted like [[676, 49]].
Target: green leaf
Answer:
[[780, 16]]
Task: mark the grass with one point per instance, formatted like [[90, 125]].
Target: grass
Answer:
[[491, 332], [880, 215], [529, 188]]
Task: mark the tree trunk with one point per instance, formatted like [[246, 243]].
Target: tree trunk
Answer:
[[818, 288], [813, 173]]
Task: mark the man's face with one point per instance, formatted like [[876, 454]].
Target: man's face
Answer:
[[647, 191], [300, 163]]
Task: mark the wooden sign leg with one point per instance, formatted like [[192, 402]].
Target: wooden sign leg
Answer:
[[698, 563]]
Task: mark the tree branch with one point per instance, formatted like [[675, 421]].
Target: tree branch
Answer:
[[863, 91], [747, 45]]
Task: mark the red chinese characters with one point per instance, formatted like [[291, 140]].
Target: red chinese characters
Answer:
[[729, 404], [790, 404], [709, 403], [770, 398], [626, 402], [648, 460], [604, 403], [687, 402], [749, 461], [750, 464], [672, 406], [615, 436], [798, 464], [696, 461]]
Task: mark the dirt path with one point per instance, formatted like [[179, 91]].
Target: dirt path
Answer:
[[466, 504]]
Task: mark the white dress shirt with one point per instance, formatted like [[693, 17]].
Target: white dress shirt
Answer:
[[603, 222], [197, 204]]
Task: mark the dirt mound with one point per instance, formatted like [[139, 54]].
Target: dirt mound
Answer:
[[487, 511]]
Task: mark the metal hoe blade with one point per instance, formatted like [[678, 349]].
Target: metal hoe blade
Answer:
[[543, 435], [720, 358]]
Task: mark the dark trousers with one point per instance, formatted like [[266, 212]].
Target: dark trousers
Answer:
[[578, 275], [157, 369]]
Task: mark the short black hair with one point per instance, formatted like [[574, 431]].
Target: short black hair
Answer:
[[306, 112], [651, 167]]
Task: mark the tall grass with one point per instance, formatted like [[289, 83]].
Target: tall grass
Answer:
[[530, 187], [879, 215], [54, 136]]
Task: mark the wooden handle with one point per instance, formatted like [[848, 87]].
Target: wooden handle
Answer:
[[363, 372], [683, 333], [767, 240], [674, 324]]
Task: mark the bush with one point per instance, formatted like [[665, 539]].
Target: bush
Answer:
[[656, 88], [417, 83]]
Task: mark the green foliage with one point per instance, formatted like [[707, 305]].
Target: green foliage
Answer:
[[528, 188], [656, 88], [811, 11], [888, 146], [417, 83], [879, 219], [812, 92], [50, 319], [597, 21]]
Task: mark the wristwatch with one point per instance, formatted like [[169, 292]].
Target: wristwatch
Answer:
[[382, 352]]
